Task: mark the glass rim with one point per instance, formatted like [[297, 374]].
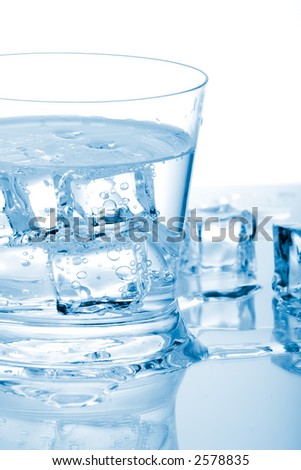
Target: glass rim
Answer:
[[101, 54]]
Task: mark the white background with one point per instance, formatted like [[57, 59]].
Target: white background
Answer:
[[251, 50]]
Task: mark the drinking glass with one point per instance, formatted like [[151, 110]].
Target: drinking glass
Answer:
[[96, 153]]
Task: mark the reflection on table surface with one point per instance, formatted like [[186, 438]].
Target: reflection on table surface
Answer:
[[240, 391], [247, 395]]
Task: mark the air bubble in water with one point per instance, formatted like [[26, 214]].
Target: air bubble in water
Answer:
[[124, 185], [123, 272], [25, 263], [76, 260], [100, 355], [84, 292], [100, 145], [81, 275], [113, 255], [110, 205], [104, 195], [75, 284]]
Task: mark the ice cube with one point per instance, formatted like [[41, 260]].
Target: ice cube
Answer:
[[219, 249], [31, 434], [24, 278], [122, 432], [287, 259], [6, 230], [120, 195], [160, 266], [15, 205], [287, 331], [287, 324], [101, 277], [41, 191]]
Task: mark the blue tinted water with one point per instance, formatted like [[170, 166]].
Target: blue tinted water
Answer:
[[87, 277], [71, 184]]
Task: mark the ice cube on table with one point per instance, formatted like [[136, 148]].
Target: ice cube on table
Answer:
[[25, 278], [100, 278], [237, 314], [219, 250], [287, 259], [287, 331], [287, 324]]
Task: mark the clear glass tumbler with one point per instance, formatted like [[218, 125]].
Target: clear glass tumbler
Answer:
[[96, 153]]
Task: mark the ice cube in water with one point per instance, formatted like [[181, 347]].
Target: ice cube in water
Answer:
[[103, 276], [63, 174]]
